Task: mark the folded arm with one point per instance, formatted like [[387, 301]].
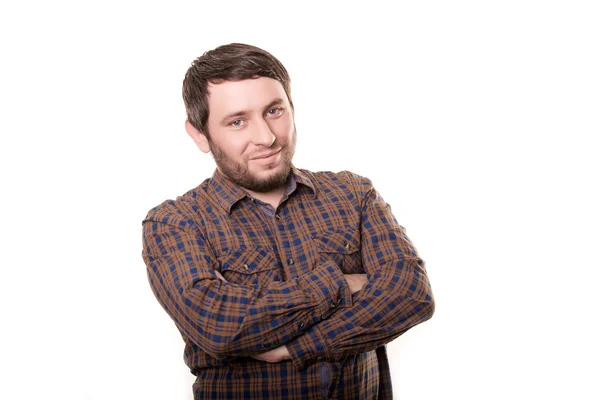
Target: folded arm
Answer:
[[355, 281], [397, 297], [224, 319]]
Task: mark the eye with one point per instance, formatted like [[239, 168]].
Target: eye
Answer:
[[237, 123], [275, 111]]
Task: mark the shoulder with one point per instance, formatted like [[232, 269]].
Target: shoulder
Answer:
[[182, 208], [342, 181]]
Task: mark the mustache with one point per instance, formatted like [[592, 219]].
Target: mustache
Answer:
[[261, 155]]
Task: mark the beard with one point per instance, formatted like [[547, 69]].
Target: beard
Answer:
[[240, 174]]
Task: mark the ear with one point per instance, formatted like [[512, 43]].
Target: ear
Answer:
[[198, 137]]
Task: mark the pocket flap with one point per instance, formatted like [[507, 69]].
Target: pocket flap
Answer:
[[249, 260], [344, 242]]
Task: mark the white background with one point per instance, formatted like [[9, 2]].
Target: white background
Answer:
[[477, 121]]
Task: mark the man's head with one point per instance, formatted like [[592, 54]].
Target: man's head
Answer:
[[231, 62], [239, 107]]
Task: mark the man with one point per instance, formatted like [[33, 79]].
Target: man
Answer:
[[284, 283]]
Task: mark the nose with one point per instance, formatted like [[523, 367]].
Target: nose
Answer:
[[262, 134]]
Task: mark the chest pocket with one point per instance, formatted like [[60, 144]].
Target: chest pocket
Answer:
[[250, 266], [341, 247]]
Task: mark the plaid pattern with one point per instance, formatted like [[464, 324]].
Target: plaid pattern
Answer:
[[285, 285]]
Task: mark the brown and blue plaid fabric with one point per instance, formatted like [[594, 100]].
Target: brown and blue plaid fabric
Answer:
[[285, 286]]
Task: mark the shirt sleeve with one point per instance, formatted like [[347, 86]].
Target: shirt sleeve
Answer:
[[397, 296], [224, 319]]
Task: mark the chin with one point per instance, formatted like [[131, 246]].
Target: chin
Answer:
[[269, 180]]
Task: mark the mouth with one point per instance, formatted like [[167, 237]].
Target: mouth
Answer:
[[267, 160], [265, 156]]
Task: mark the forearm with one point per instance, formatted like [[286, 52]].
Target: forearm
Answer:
[[397, 297], [228, 320], [355, 282], [383, 310]]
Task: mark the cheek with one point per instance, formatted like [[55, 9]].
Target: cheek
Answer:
[[283, 127], [237, 145], [233, 150]]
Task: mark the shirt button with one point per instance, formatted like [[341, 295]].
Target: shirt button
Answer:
[[246, 267], [302, 325], [278, 216], [290, 261], [333, 305], [347, 245]]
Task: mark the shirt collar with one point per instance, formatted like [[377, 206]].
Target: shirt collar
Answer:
[[229, 193], [301, 177]]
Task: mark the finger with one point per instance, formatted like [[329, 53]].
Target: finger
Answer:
[[220, 276]]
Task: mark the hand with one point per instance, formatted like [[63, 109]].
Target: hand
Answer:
[[356, 281], [221, 277], [274, 356]]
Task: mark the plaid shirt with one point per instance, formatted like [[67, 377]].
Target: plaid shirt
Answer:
[[285, 285]]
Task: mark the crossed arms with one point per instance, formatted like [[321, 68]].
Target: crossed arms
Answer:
[[321, 315], [355, 283]]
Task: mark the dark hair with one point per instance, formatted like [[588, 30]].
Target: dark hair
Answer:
[[230, 62]]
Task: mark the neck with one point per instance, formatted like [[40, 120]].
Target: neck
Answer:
[[272, 197]]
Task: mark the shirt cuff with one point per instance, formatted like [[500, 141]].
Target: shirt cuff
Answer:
[[308, 349], [328, 284]]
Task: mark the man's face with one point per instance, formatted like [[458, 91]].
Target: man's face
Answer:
[[252, 135]]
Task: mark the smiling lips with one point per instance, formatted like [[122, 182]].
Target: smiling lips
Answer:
[[268, 158]]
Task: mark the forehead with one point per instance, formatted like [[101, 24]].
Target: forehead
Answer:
[[245, 95]]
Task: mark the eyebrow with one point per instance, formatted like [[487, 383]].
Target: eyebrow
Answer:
[[275, 102]]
